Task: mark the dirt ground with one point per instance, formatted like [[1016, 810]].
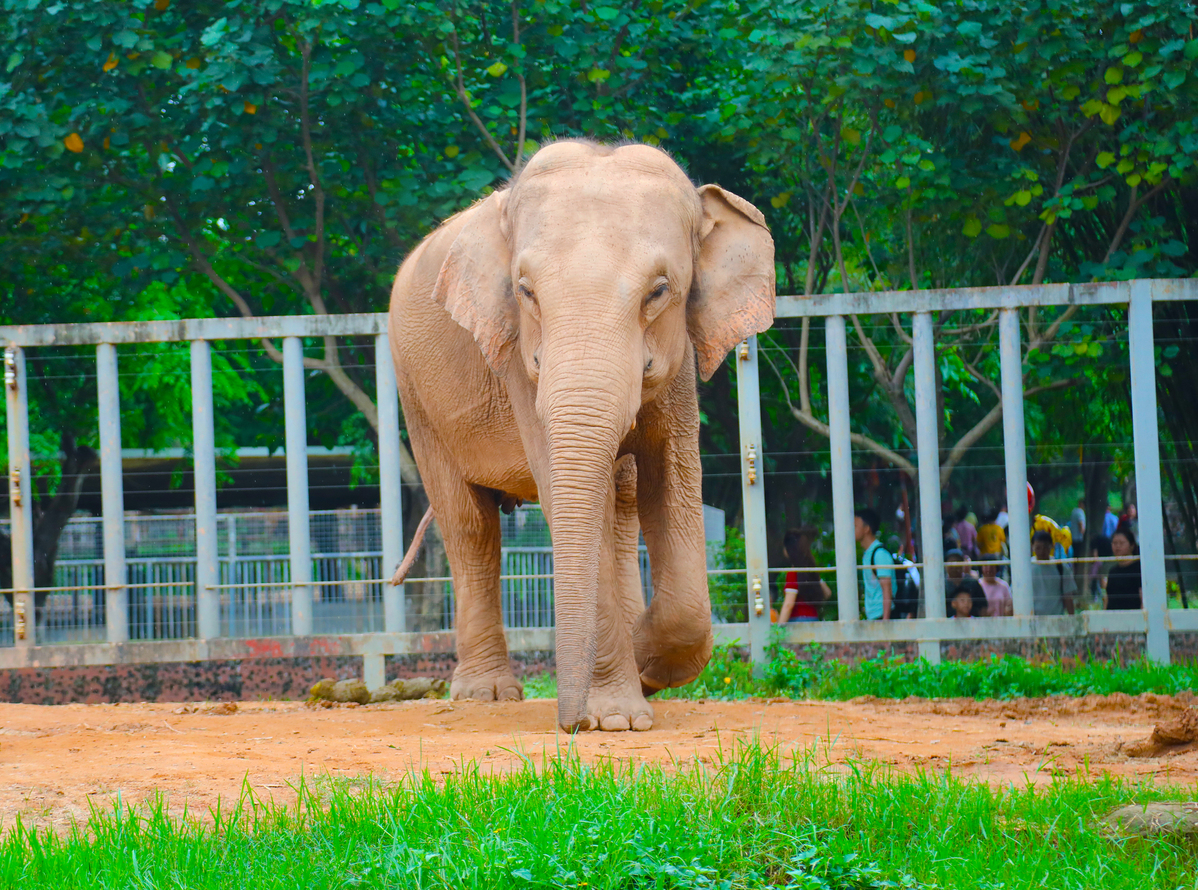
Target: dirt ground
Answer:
[[55, 761]]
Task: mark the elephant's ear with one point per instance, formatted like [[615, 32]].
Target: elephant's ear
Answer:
[[475, 282], [732, 296]]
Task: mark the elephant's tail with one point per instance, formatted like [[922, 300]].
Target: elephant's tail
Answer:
[[409, 558]]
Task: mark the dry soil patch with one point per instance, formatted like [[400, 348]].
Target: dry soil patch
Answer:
[[55, 761]]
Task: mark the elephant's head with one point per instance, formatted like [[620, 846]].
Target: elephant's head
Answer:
[[601, 274]]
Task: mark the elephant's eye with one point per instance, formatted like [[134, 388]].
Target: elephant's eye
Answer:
[[658, 292], [526, 292]]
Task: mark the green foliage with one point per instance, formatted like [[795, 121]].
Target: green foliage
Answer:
[[809, 674], [281, 156], [728, 676], [756, 818], [1001, 678], [729, 592]]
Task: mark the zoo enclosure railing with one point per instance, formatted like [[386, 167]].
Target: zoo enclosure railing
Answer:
[[252, 553], [211, 641]]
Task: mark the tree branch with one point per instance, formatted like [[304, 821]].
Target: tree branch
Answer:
[[523, 89], [460, 88], [813, 423], [982, 378], [276, 196], [313, 175], [1028, 259], [983, 426], [1133, 206]]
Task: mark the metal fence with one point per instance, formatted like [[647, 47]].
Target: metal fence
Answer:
[[254, 573], [209, 598]]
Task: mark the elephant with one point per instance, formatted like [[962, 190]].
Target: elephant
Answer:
[[546, 344]]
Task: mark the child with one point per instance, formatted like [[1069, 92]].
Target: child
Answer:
[[964, 597], [998, 592], [962, 606]]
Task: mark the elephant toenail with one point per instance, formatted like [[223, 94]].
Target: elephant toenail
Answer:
[[614, 723]]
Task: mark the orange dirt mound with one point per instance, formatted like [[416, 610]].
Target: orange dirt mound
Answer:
[[1176, 735]]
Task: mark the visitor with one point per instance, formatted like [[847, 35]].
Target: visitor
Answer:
[[1110, 521], [951, 540], [1053, 588], [905, 603], [964, 597], [1100, 548], [802, 591], [1077, 526], [878, 572], [1002, 520], [998, 593], [1123, 586], [991, 538], [1127, 520], [967, 533], [1062, 538]]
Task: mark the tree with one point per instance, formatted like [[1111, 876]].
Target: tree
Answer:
[[965, 146]]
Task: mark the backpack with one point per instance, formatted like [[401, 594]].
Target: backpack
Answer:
[[904, 598]]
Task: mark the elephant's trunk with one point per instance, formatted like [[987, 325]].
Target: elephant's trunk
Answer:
[[585, 424]]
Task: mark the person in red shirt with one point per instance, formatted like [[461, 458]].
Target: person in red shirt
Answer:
[[803, 592]]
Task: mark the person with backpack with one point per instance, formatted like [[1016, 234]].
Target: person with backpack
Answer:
[[878, 578], [1053, 588], [906, 581]]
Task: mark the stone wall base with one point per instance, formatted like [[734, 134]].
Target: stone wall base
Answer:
[[259, 679], [264, 679], [1123, 648]]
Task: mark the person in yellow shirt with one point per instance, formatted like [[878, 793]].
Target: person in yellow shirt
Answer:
[[1062, 538], [991, 537]]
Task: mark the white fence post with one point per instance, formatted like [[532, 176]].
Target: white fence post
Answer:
[[298, 532], [1013, 437], [927, 433], [841, 448], [112, 494], [20, 497], [752, 478], [204, 473], [390, 485], [1146, 436]]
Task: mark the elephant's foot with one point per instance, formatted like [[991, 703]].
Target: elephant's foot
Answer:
[[676, 666], [617, 708], [482, 685]]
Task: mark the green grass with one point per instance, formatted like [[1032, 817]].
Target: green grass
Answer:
[[756, 819], [729, 676]]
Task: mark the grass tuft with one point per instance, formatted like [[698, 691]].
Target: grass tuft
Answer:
[[809, 675], [755, 819]]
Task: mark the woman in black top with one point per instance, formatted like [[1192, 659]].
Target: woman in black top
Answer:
[[1123, 589]]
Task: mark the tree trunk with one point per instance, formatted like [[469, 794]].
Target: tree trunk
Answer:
[[50, 516]]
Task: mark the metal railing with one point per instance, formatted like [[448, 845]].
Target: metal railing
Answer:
[[292, 604], [1154, 620], [254, 569]]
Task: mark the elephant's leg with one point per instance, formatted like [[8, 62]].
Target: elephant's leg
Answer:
[[615, 700], [672, 636], [469, 520], [629, 591]]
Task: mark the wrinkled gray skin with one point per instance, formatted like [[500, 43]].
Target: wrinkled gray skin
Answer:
[[546, 343]]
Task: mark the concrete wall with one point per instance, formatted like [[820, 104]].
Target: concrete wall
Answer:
[[225, 680], [290, 678]]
